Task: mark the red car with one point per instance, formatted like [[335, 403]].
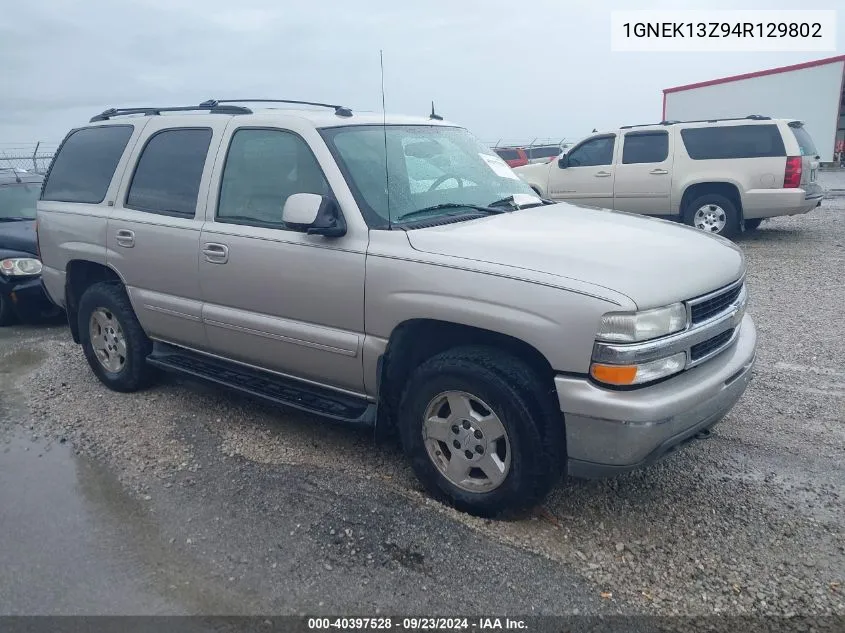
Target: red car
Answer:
[[513, 156]]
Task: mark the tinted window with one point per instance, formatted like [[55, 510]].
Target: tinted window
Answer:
[[508, 154], [263, 168], [597, 151], [85, 164], [167, 178], [543, 152], [645, 147], [733, 141], [805, 141]]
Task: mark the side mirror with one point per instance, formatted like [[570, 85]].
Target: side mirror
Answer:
[[314, 214], [563, 162]]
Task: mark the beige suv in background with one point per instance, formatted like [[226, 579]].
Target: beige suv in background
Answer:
[[392, 272], [718, 175]]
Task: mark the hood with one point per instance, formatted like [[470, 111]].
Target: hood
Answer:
[[653, 262], [18, 236]]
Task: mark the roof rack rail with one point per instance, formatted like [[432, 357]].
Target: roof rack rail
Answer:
[[211, 108], [752, 117], [339, 110]]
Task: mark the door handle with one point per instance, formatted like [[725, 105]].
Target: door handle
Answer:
[[215, 253], [602, 174], [125, 238], [659, 172]]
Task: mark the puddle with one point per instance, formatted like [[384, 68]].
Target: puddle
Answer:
[[72, 541]]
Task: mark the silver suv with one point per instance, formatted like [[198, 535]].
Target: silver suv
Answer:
[[392, 272], [719, 175]]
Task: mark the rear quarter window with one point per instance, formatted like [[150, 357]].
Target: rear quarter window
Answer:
[[805, 141], [733, 141], [542, 152], [84, 165]]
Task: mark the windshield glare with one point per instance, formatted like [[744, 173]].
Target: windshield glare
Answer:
[[427, 166], [18, 200]]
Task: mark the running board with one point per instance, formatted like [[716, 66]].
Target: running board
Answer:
[[279, 390]]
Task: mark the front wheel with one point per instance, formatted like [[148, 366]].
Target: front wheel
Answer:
[[753, 224], [479, 432], [113, 341], [713, 213]]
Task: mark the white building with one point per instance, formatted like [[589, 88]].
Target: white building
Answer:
[[813, 92]]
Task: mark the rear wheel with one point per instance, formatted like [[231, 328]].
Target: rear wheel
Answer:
[[480, 432], [713, 213], [114, 343]]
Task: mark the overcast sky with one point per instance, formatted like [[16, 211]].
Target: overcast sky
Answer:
[[514, 69]]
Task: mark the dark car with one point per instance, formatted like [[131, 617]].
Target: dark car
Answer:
[[21, 295]]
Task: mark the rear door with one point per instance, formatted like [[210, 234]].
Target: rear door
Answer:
[[154, 230], [587, 174], [643, 180]]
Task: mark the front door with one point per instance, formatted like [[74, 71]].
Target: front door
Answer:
[[277, 298], [154, 230], [586, 173], [644, 174]]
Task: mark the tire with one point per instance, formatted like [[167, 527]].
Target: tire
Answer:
[[108, 299], [513, 393], [7, 312], [753, 224], [726, 214]]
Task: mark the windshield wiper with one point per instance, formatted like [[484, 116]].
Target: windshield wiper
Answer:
[[511, 203], [450, 205]]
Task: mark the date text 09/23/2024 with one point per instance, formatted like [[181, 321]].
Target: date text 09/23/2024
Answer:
[[418, 624]]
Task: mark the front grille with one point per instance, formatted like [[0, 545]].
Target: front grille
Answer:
[[700, 312], [702, 349]]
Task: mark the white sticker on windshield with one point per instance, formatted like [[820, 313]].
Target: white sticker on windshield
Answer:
[[499, 167]]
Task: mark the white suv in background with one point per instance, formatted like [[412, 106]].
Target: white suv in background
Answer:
[[716, 175]]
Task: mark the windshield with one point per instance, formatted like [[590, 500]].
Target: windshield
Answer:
[[17, 200], [427, 166]]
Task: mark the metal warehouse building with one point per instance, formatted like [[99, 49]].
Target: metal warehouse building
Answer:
[[813, 92]]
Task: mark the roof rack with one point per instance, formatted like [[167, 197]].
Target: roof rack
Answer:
[[752, 117], [339, 110], [207, 105]]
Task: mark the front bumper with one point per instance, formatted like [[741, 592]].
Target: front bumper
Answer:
[[28, 298], [611, 431]]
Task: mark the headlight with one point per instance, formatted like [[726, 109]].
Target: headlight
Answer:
[[20, 267], [621, 375], [632, 327]]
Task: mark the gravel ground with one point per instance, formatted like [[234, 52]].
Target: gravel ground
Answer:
[[749, 521]]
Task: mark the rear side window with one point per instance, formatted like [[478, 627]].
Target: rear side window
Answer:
[[167, 178], [733, 141], [805, 141], [85, 164], [507, 154], [645, 147]]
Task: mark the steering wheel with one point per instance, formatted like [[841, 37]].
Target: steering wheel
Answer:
[[444, 178]]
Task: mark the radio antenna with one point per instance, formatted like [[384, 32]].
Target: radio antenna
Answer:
[[384, 131]]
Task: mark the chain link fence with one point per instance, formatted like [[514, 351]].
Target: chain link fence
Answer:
[[28, 156]]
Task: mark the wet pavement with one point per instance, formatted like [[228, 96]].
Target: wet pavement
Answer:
[[236, 537]]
